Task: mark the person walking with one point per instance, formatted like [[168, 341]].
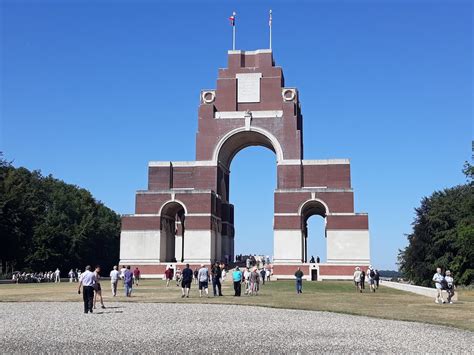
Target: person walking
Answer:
[[358, 279], [178, 276], [438, 278], [449, 286], [128, 281], [136, 275], [169, 275], [87, 281], [97, 288], [268, 274], [216, 279], [122, 274], [237, 278], [371, 278], [247, 280], [195, 274], [186, 281], [377, 279], [299, 280], [203, 277], [57, 275], [114, 277]]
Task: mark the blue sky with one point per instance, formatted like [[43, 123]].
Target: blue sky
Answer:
[[92, 91]]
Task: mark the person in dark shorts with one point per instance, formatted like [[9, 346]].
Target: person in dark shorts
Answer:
[[362, 280], [216, 279], [203, 277], [97, 288], [186, 281]]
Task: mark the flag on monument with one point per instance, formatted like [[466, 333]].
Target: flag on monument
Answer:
[[270, 19], [232, 19]]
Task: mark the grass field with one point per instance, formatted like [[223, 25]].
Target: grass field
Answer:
[[332, 296]]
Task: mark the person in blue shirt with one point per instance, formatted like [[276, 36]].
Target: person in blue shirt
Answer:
[[128, 281], [237, 278]]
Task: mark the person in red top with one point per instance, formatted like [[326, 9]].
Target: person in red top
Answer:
[[169, 273], [136, 275]]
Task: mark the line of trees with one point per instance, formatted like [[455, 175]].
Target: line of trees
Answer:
[[443, 235], [46, 223]]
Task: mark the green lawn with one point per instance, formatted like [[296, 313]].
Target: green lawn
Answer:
[[332, 296]]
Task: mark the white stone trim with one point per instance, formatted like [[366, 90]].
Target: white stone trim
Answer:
[[258, 51], [173, 200], [170, 191], [285, 214], [180, 164], [306, 189], [419, 290], [326, 162], [290, 162], [313, 199], [255, 114], [274, 141]]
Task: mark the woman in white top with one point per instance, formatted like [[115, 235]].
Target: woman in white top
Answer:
[[450, 285]]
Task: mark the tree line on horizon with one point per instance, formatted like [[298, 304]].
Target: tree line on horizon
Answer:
[[46, 223], [442, 236]]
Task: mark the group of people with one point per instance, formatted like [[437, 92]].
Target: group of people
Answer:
[[92, 289], [46, 276], [372, 275], [443, 283]]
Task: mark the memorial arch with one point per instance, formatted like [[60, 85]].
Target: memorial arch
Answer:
[[250, 106]]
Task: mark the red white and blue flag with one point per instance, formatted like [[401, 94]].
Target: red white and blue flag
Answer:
[[232, 19]]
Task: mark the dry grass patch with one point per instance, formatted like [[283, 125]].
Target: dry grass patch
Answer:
[[331, 296]]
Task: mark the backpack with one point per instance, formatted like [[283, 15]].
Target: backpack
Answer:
[[372, 274], [444, 284]]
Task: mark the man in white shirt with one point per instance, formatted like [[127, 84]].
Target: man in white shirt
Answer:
[[114, 277], [438, 278], [87, 281]]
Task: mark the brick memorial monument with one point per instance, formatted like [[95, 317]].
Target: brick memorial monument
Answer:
[[185, 215]]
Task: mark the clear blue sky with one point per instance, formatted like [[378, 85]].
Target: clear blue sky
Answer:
[[92, 91]]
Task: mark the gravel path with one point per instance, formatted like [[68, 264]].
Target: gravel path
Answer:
[[201, 328]]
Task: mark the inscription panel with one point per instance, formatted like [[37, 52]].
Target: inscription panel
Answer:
[[248, 87]]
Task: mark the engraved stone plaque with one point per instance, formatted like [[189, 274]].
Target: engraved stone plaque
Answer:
[[248, 87]]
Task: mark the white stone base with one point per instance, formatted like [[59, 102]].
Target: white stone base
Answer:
[[348, 247], [140, 245], [197, 246], [287, 246]]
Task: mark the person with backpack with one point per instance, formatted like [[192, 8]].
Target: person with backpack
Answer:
[[449, 280], [438, 279], [377, 279], [371, 278]]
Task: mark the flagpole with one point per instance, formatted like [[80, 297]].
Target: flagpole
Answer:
[[270, 24], [233, 32]]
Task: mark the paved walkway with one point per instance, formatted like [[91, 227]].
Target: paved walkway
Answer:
[[201, 328]]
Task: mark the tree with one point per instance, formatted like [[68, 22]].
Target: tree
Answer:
[[443, 235], [46, 223]]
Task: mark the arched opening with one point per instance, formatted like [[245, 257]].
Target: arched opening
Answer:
[[253, 185], [313, 227], [255, 182], [172, 232]]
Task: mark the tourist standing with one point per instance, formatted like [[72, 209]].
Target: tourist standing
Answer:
[[186, 281], [362, 279], [114, 277], [128, 281], [216, 279], [247, 280], [262, 274], [122, 274], [71, 275], [195, 274], [254, 276], [203, 277], [178, 276], [438, 278], [449, 285], [358, 279], [299, 280], [87, 281], [267, 274], [97, 288], [136, 275], [237, 278], [57, 275]]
